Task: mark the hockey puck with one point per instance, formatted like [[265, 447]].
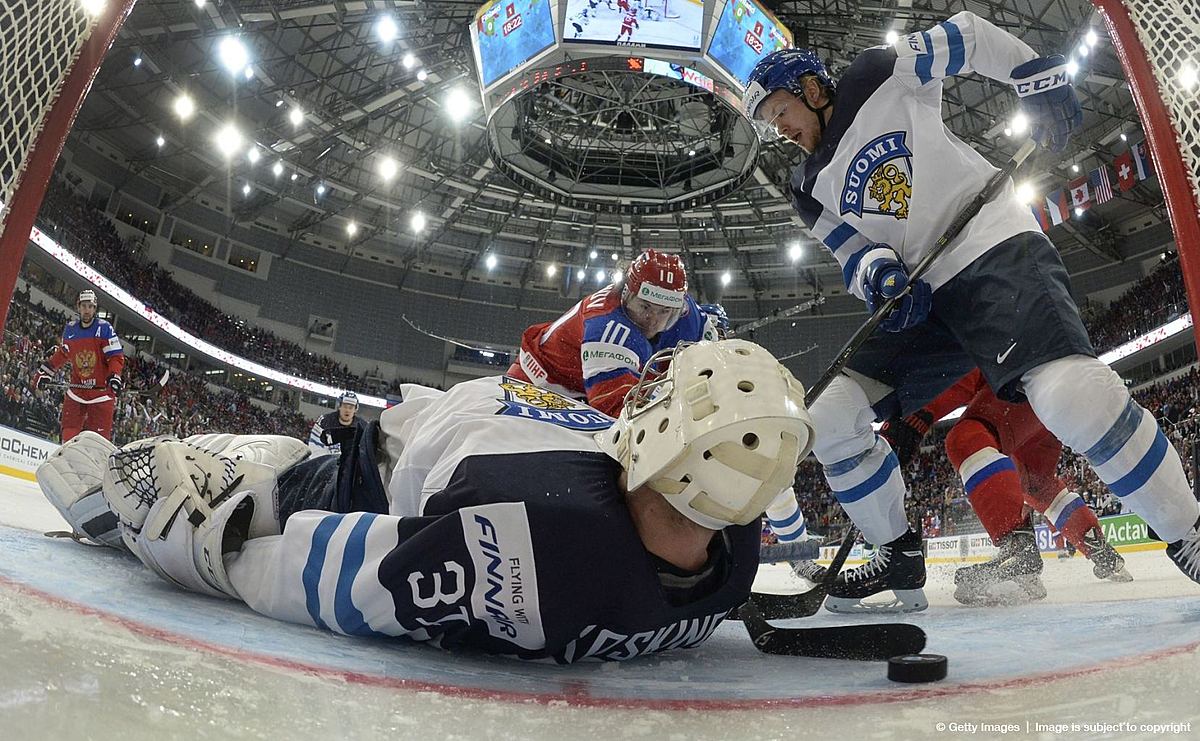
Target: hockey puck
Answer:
[[917, 668]]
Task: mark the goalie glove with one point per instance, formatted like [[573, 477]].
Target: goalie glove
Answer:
[[71, 479], [183, 506]]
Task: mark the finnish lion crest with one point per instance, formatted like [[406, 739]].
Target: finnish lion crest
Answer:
[[890, 186], [879, 178]]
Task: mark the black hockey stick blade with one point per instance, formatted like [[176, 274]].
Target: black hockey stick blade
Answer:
[[865, 642]]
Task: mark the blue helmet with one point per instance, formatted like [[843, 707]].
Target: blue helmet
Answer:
[[348, 397], [782, 70], [720, 319]]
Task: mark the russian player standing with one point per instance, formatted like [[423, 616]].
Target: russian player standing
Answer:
[[94, 351], [628, 23], [998, 299]]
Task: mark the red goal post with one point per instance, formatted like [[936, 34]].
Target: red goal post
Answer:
[[1156, 40], [52, 50]]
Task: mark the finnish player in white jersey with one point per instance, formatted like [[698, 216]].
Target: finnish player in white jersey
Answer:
[[517, 521], [883, 178]]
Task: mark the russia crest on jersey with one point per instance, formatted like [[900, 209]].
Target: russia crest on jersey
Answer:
[[879, 178], [542, 405]]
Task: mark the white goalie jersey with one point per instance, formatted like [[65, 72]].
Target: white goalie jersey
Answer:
[[889, 170]]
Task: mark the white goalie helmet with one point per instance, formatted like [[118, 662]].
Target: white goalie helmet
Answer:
[[717, 428]]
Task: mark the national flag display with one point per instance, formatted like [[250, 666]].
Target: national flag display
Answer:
[[1058, 206], [1126, 175], [1039, 213], [1080, 193], [1100, 185], [1141, 160]]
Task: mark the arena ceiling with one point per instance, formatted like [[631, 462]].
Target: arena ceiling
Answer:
[[363, 106]]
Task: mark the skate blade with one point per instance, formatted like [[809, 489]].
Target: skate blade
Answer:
[[1121, 577], [905, 600]]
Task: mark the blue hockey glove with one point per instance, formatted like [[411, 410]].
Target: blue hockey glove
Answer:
[[886, 277], [1049, 100]]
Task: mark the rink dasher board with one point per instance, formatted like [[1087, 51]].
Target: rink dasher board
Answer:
[[989, 649]]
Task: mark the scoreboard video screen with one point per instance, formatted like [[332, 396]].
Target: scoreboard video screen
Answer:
[[667, 24], [509, 33], [746, 32]]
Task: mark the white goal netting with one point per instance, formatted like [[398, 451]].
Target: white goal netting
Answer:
[[1169, 32], [39, 42]]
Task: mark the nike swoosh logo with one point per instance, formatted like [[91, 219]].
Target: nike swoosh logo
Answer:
[[1004, 355]]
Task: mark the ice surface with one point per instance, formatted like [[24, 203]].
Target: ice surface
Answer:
[[95, 647]]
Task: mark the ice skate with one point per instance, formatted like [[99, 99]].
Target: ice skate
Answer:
[[1185, 552], [898, 567], [809, 570], [1106, 562], [1018, 562]]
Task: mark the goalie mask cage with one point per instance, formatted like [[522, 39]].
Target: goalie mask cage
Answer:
[[50, 52], [1158, 41]]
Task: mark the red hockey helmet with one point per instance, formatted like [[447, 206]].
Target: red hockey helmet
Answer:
[[658, 278]]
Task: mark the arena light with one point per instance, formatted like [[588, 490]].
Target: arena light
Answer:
[[386, 30], [1078, 212], [580, 274], [726, 278], [891, 37], [490, 261], [233, 55], [246, 189], [296, 116], [1008, 131], [184, 106], [795, 251], [228, 140], [421, 75], [248, 73], [417, 222], [1020, 123], [1072, 67], [459, 104], [1074, 168], [351, 228], [277, 169], [1188, 76], [1025, 192], [600, 276], [321, 189], [1091, 38], [137, 61], [93, 7], [617, 277], [615, 257], [160, 141], [201, 3], [294, 176], [593, 255], [1082, 50], [387, 168], [551, 270], [408, 61], [1124, 137], [253, 155]]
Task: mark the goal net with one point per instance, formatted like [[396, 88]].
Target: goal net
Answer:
[[50, 51], [1158, 42]]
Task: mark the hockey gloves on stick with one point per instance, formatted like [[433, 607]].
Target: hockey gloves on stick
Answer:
[[905, 434], [1049, 100], [885, 277]]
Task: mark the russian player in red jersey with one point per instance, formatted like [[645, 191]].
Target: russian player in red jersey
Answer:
[[91, 346], [628, 23], [1006, 459], [597, 349]]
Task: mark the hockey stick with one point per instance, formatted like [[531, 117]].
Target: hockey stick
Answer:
[[781, 640], [804, 604], [152, 389], [866, 642]]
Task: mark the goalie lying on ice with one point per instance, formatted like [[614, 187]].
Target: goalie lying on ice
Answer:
[[512, 521]]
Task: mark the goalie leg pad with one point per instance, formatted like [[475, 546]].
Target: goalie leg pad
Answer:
[[71, 480]]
